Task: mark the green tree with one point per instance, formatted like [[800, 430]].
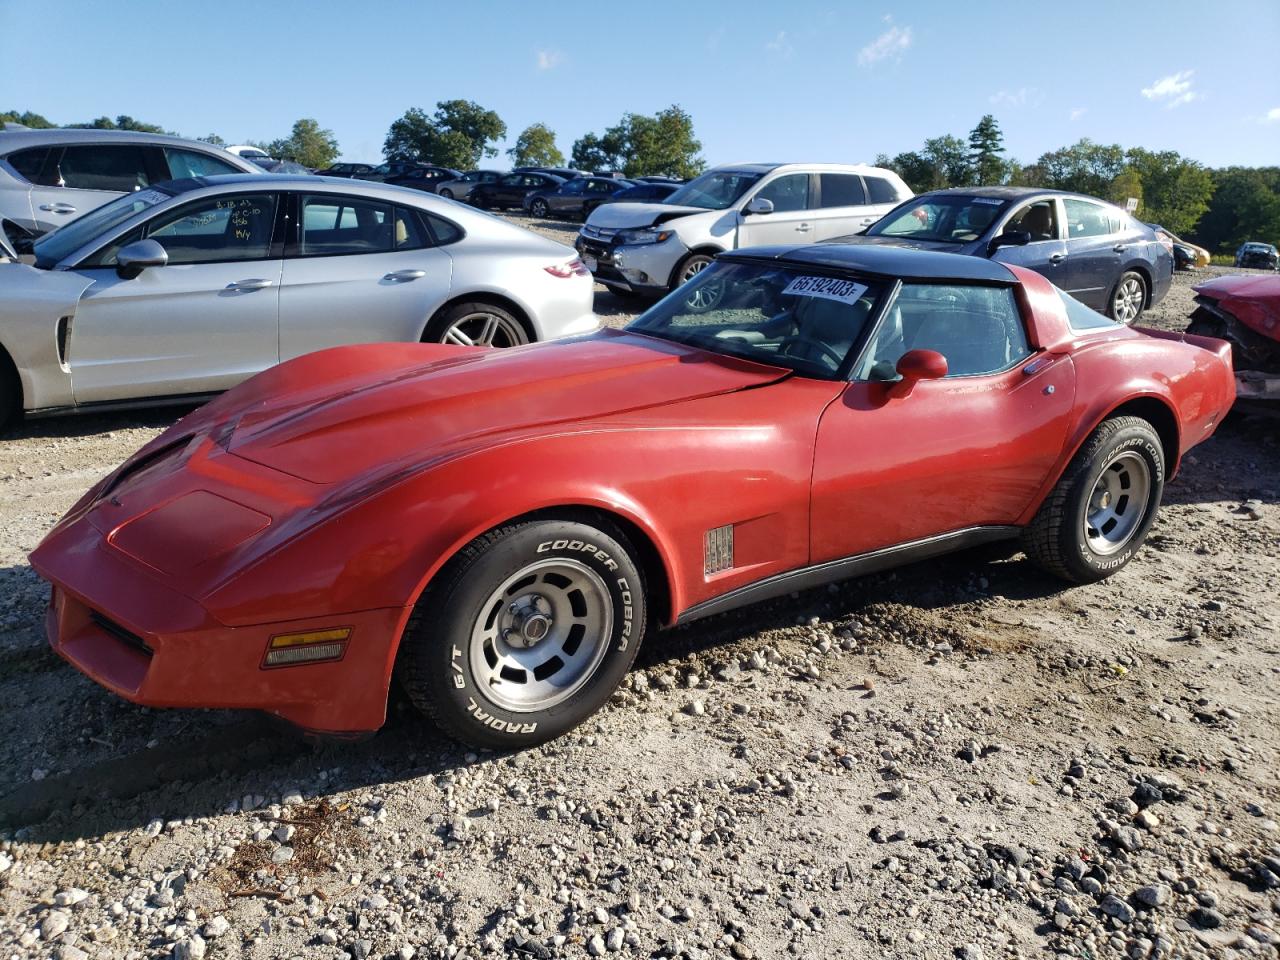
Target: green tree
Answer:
[[458, 135], [1245, 206], [122, 122], [27, 119], [950, 161], [1128, 183], [607, 152], [1175, 191], [213, 138], [986, 145], [308, 144], [536, 147], [663, 144], [1085, 167]]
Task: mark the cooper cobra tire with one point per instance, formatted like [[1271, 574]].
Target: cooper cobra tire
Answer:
[[472, 660], [1128, 299], [1100, 512]]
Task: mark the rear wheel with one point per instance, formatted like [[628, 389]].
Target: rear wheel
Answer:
[[1102, 508], [538, 208], [476, 325], [526, 633], [447, 193], [1129, 298]]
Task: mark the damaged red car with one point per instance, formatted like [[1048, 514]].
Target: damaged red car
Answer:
[[500, 530], [1245, 311]]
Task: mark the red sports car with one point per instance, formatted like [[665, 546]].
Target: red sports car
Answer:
[[501, 529]]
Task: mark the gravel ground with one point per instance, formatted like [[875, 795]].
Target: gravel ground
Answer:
[[959, 759]]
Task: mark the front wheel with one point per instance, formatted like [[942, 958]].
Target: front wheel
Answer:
[[1129, 298], [1102, 508], [447, 193], [525, 633]]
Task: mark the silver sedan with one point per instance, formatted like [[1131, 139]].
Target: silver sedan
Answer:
[[188, 287]]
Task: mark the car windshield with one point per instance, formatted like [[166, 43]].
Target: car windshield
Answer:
[[945, 218], [793, 317], [58, 244], [713, 191]]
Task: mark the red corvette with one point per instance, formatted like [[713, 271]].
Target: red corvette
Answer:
[[501, 528]]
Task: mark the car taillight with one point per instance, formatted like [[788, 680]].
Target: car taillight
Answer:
[[571, 268]]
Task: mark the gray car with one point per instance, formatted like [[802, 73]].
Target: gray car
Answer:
[[461, 188], [185, 288], [50, 177]]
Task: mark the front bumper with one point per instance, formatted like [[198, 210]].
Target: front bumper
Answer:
[[643, 268], [144, 641]]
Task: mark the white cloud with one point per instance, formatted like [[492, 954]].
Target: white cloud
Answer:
[[1078, 112], [1015, 98], [549, 59], [1173, 90], [1271, 116], [892, 43], [780, 45]]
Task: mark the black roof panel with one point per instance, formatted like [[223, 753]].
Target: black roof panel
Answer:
[[884, 261]]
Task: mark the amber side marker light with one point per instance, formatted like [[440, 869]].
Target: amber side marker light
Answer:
[[311, 646]]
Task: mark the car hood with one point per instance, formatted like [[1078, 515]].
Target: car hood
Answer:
[[386, 421], [1254, 301], [616, 216]]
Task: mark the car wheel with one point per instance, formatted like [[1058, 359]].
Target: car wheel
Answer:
[[1098, 515], [1129, 298], [538, 208], [705, 297], [480, 200], [476, 325], [525, 633], [10, 392], [447, 193]]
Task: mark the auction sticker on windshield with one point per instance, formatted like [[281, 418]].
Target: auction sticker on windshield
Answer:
[[829, 288]]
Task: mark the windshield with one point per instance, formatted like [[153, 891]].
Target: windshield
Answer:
[[713, 191], [787, 317], [58, 244], [945, 218]]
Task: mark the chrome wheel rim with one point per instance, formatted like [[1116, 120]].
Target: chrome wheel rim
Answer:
[[483, 329], [1117, 504], [1129, 299], [541, 635], [707, 295]]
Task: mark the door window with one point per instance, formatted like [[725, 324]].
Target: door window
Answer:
[[841, 190], [787, 193], [572, 188], [881, 190], [29, 163], [978, 330], [189, 163], [1040, 219], [334, 226], [408, 233], [119, 167], [217, 229], [1085, 219]]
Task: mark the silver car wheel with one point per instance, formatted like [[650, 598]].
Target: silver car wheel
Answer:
[[1118, 503], [447, 194], [481, 329], [707, 295], [1129, 300], [541, 635]]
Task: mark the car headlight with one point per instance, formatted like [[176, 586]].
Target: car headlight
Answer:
[[643, 235]]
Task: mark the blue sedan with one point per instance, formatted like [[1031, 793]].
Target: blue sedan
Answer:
[[1090, 249]]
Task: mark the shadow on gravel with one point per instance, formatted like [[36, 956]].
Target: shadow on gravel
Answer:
[[1240, 462], [86, 424]]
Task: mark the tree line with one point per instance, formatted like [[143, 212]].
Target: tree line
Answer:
[[1217, 208]]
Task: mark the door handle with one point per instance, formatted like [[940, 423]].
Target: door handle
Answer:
[[57, 208], [1120, 247], [255, 284], [1057, 258], [803, 228], [404, 275]]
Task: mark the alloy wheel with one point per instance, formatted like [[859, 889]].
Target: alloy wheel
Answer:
[[481, 329], [1129, 300], [1118, 503]]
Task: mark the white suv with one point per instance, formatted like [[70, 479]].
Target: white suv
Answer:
[[654, 247]]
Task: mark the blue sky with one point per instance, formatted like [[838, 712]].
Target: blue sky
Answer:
[[792, 80]]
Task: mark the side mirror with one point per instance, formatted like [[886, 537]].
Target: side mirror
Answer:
[[758, 205], [916, 365], [1010, 238], [135, 257]]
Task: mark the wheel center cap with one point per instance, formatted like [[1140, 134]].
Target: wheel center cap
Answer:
[[530, 621], [535, 628]]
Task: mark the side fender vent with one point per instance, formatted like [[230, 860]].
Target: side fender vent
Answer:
[[64, 336], [717, 554]]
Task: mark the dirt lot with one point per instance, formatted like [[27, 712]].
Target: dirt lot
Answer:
[[961, 758]]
